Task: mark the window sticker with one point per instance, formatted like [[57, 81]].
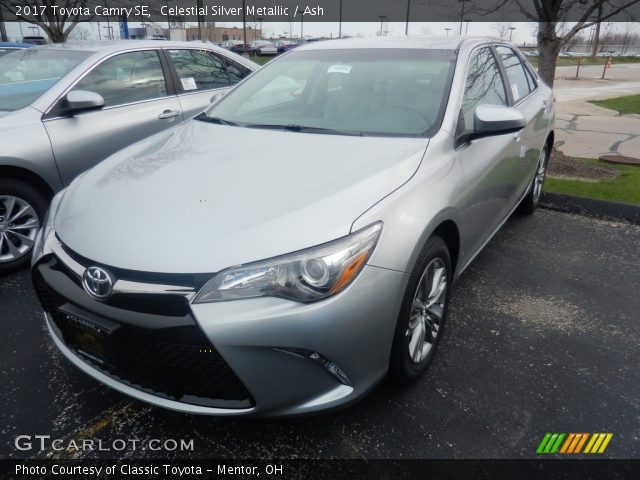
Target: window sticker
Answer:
[[189, 83], [346, 69], [514, 91]]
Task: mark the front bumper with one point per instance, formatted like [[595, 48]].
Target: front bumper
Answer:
[[265, 343]]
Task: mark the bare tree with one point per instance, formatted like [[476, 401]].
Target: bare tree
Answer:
[[56, 26], [553, 33], [79, 33], [550, 15], [501, 29]]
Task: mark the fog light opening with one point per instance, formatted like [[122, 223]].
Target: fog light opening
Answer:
[[323, 361]]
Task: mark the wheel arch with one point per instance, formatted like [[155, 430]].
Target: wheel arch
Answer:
[[28, 177], [450, 234]]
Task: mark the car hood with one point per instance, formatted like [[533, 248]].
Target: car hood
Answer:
[[202, 197]]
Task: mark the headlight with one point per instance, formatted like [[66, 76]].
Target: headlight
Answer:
[[304, 276], [46, 227]]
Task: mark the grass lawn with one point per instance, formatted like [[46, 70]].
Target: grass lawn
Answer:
[[624, 188], [626, 104], [261, 60]]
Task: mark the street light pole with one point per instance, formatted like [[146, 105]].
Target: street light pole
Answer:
[[462, 15], [340, 22], [381, 17], [511, 32], [447, 29], [406, 26]]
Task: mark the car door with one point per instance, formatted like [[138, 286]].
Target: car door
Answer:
[[487, 162], [530, 101], [200, 75], [138, 103]]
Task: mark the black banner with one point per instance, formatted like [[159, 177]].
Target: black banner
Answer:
[[325, 10], [583, 469]]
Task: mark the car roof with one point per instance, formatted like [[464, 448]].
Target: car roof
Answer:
[[450, 42], [118, 45]]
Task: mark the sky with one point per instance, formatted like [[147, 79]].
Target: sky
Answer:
[[523, 33]]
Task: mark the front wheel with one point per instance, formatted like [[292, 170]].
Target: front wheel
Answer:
[[423, 313], [22, 209], [531, 201]]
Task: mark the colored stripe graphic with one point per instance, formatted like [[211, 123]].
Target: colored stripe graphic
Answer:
[[574, 442]]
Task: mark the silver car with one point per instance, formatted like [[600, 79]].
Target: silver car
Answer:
[[64, 108], [285, 250]]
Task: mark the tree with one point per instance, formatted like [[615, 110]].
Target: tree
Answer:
[[502, 29], [550, 15], [56, 26], [79, 33], [558, 22]]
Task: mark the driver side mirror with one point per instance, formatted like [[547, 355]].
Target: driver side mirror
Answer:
[[490, 120], [217, 97], [82, 101]]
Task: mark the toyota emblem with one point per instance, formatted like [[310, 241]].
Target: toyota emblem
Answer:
[[97, 282]]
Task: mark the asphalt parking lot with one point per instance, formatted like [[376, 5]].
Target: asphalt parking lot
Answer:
[[543, 336]]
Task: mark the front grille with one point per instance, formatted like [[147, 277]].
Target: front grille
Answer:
[[161, 354]]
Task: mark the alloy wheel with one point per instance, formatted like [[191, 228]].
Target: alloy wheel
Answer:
[[538, 182], [19, 225], [427, 310]]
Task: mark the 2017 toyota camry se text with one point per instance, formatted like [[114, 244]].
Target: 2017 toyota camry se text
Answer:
[[285, 250]]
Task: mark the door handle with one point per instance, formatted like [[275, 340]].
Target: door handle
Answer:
[[517, 135], [169, 114], [545, 105]]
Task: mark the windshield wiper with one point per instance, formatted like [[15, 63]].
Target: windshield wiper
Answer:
[[203, 117], [302, 128]]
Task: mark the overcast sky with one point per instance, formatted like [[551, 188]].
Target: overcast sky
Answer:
[[524, 32]]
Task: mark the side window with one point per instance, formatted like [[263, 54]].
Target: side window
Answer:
[[483, 86], [533, 84], [516, 75], [236, 71], [127, 78], [199, 70]]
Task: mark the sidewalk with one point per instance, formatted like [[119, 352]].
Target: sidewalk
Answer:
[[587, 130]]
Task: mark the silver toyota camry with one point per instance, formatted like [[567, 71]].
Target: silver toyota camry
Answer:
[[284, 251]]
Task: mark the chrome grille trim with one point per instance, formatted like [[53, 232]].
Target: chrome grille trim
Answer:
[[53, 245]]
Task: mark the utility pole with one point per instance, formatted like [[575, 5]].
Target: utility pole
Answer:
[[301, 26], [199, 7], [244, 26], [3, 30], [406, 26], [462, 15], [340, 22]]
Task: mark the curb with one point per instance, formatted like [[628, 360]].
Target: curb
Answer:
[[591, 207]]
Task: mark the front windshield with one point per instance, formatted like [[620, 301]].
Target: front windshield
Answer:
[[28, 73], [362, 91]]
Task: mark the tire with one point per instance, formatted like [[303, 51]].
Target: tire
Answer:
[[417, 320], [531, 201], [18, 227]]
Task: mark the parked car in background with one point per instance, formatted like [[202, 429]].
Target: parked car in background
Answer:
[[285, 45], [257, 47], [8, 47], [240, 48], [291, 250], [35, 40], [65, 107], [229, 44]]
